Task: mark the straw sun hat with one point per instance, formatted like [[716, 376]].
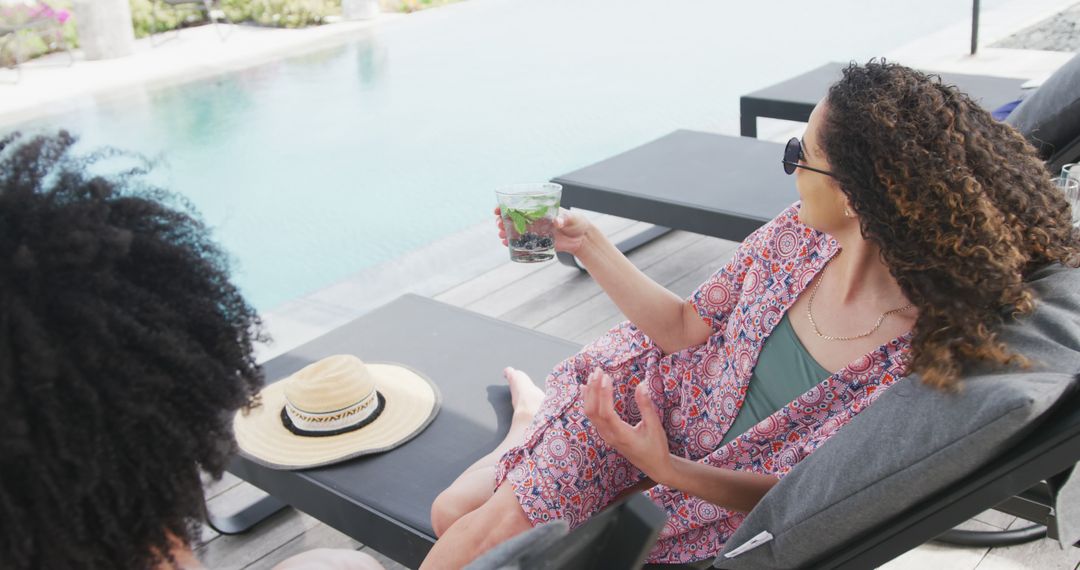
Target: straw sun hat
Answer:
[[335, 409]]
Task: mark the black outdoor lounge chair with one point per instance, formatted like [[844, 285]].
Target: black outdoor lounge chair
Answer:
[[725, 186], [795, 98], [1028, 480], [384, 500]]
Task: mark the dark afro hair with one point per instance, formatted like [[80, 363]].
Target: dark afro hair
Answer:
[[124, 352]]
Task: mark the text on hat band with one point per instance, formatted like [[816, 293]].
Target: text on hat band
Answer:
[[332, 421]]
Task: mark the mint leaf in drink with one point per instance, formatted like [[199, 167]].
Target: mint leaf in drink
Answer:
[[520, 220], [536, 214]]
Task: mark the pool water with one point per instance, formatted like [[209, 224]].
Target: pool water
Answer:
[[313, 168]]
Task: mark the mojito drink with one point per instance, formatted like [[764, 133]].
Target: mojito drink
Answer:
[[528, 215]]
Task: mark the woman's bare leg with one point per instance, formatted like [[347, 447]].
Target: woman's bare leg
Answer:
[[500, 518], [473, 487]]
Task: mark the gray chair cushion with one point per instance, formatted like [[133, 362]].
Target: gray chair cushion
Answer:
[[509, 554], [1050, 117], [913, 441]]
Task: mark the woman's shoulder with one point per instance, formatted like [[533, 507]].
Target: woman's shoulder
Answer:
[[786, 237]]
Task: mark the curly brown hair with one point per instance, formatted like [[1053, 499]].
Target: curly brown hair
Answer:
[[124, 352], [961, 206]]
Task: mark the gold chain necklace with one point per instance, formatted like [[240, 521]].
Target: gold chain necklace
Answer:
[[810, 314]]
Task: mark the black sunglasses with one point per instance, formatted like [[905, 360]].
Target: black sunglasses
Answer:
[[794, 157]]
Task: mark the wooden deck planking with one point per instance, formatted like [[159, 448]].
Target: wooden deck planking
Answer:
[[996, 519], [932, 555], [667, 269], [479, 287], [239, 551], [509, 295], [533, 310], [318, 536], [212, 488]]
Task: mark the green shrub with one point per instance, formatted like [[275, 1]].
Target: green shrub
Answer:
[[412, 5], [152, 17], [42, 39], [415, 5], [281, 13], [276, 13]]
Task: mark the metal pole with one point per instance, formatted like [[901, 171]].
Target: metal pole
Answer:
[[974, 26]]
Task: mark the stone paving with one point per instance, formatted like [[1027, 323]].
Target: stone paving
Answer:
[[1060, 32]]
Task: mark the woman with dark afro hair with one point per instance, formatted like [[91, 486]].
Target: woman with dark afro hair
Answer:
[[920, 219], [124, 353]]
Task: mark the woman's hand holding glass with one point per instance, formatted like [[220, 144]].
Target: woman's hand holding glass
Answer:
[[571, 229]]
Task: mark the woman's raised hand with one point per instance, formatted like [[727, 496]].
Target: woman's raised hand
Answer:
[[570, 230], [645, 444]]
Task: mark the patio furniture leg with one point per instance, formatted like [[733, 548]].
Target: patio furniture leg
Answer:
[[155, 40], [62, 41], [206, 6], [241, 521], [748, 125], [974, 26], [1035, 504], [992, 538], [5, 43], [18, 59], [748, 115], [627, 245], [209, 6]]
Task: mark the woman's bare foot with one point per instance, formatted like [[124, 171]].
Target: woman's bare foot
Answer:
[[525, 396], [473, 487]]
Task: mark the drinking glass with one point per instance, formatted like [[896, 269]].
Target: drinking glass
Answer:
[[528, 215], [1071, 187], [1071, 170]]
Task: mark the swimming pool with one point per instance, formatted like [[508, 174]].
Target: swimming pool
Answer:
[[312, 168]]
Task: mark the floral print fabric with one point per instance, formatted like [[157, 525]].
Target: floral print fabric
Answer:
[[564, 470]]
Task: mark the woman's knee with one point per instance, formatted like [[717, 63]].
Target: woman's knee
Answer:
[[446, 510], [497, 520], [504, 516], [465, 495], [500, 518]]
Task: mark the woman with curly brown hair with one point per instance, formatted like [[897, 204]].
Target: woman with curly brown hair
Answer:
[[919, 219]]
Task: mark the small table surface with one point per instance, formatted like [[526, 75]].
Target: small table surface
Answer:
[[384, 500], [717, 185], [794, 98]]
